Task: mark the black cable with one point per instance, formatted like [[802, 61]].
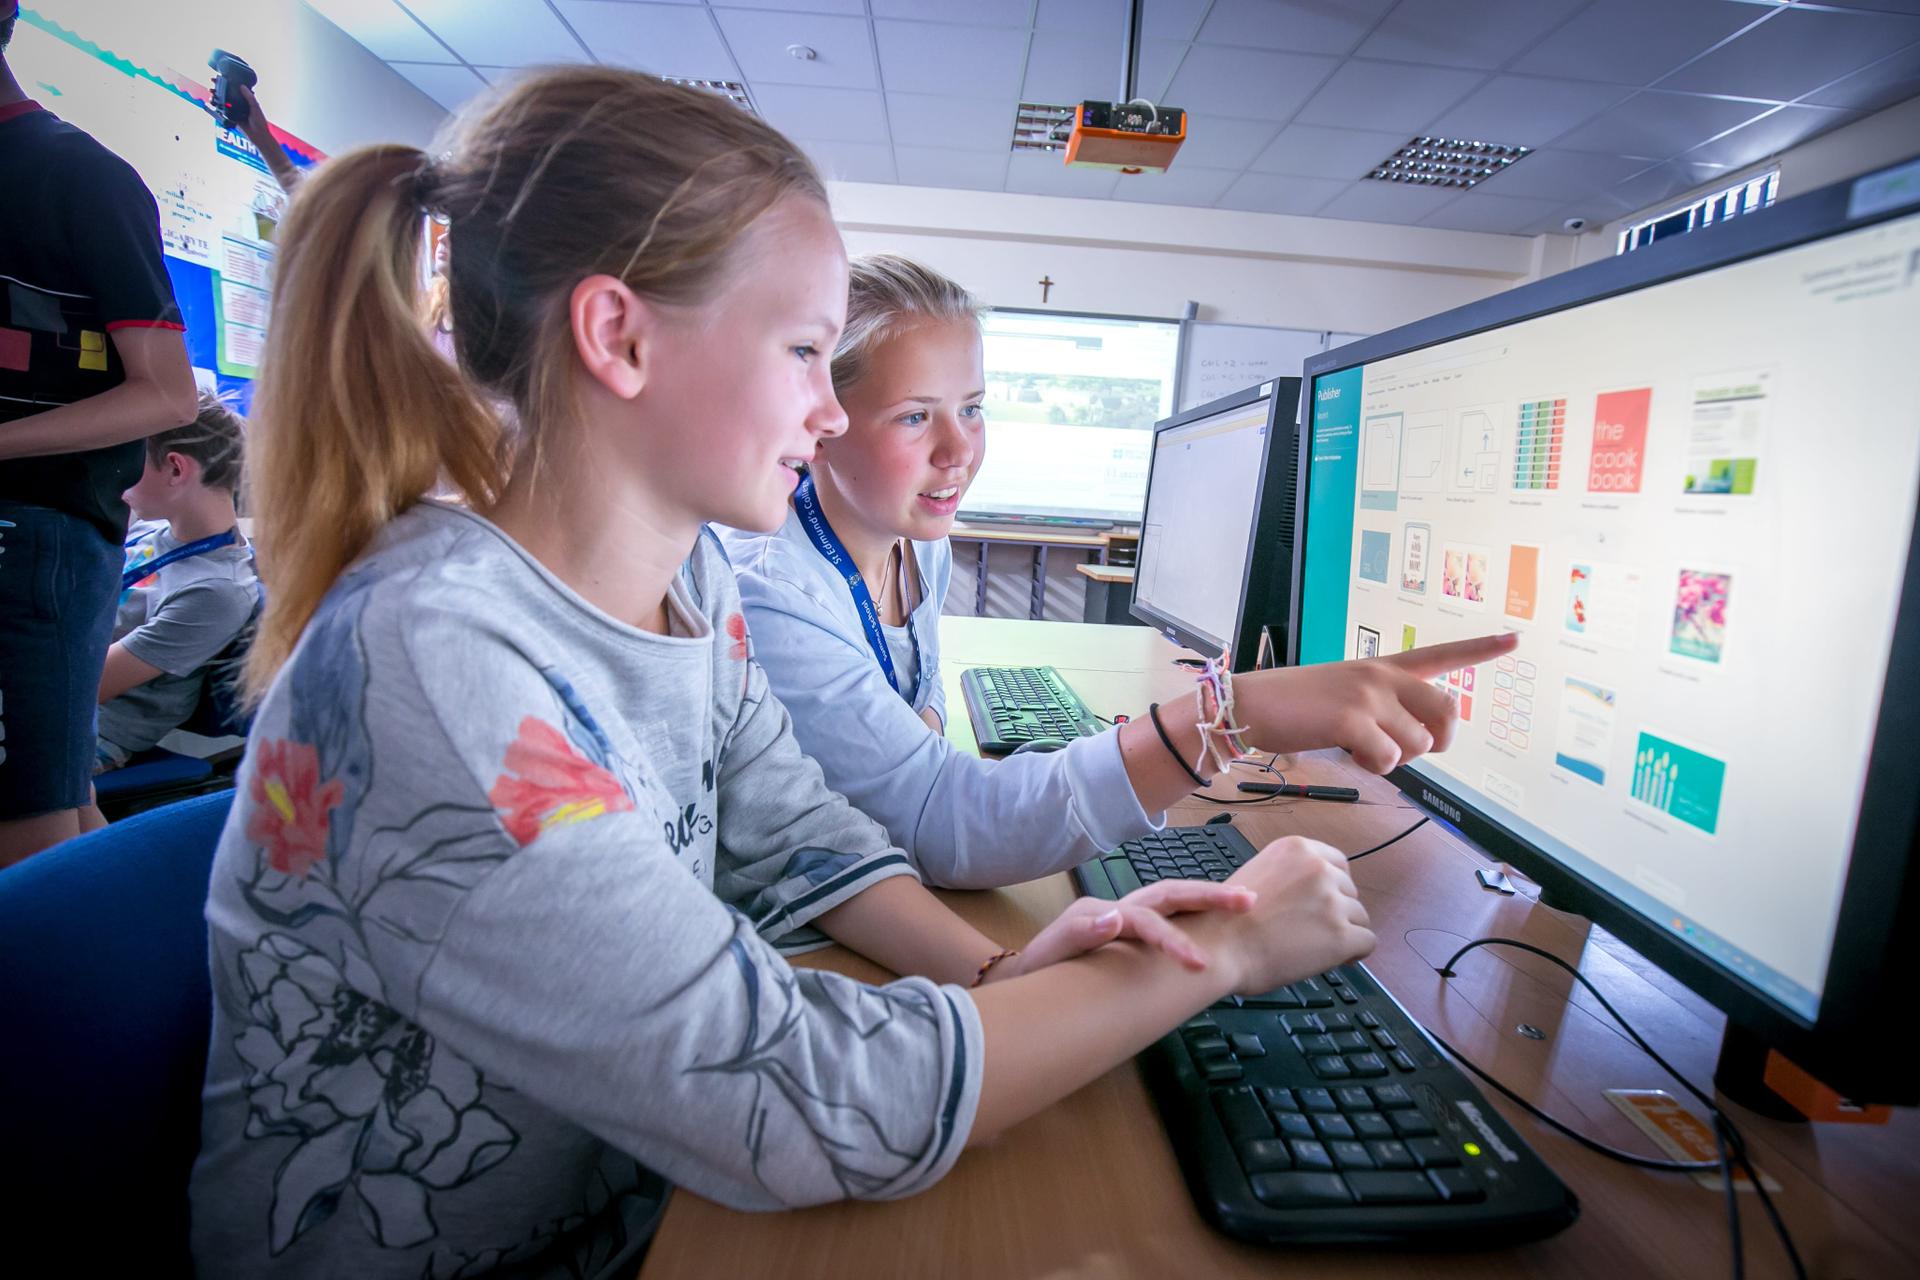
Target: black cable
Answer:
[[1355, 857], [1259, 768], [1727, 1138]]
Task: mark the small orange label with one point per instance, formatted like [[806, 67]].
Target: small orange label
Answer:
[[1679, 1133]]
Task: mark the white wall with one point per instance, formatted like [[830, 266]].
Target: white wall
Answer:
[[1882, 138], [1247, 268], [314, 80]]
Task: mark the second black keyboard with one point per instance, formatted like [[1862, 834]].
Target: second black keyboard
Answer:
[[1012, 705], [1321, 1112]]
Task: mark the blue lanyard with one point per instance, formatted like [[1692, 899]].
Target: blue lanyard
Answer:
[[148, 568], [828, 544]]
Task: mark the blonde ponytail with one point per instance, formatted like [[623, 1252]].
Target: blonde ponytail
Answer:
[[356, 416]]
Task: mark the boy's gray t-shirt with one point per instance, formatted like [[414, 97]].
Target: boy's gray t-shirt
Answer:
[[492, 934], [179, 620]]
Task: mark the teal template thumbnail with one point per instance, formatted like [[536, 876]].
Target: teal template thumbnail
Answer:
[[1679, 781]]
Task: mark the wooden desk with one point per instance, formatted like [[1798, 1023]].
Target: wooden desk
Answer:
[[1090, 1188], [1109, 593], [1041, 539]]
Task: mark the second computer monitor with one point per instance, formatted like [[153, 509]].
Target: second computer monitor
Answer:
[[1216, 539]]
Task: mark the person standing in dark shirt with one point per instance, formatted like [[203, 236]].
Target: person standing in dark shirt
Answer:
[[92, 361]]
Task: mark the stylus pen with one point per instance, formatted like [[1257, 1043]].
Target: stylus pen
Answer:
[[1296, 789]]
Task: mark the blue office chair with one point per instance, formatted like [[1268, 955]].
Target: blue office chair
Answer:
[[158, 776], [105, 1010]]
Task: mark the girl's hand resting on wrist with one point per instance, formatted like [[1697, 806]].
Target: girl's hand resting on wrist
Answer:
[[1091, 923], [1306, 918]]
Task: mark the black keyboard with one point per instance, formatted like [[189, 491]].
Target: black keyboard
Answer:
[[1012, 705], [1321, 1112]]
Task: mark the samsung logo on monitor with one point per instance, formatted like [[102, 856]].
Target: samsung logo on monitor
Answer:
[[1451, 810]]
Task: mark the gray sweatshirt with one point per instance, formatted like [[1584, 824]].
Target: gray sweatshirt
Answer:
[[492, 934]]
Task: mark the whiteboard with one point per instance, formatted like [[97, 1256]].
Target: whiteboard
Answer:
[[1223, 358]]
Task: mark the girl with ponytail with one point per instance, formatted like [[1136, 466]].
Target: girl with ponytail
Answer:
[[497, 923]]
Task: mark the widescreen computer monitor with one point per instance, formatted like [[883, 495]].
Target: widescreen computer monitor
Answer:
[[1070, 404], [1216, 537], [1686, 477]]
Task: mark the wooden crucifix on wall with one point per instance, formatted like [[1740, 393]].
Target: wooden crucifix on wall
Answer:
[[1046, 287]]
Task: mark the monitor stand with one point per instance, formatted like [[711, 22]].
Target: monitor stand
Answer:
[[1739, 1076]]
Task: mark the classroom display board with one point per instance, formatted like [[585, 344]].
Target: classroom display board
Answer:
[[1221, 359], [219, 205]]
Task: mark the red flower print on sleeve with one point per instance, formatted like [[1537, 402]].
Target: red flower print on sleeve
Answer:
[[291, 806], [737, 628], [555, 785]]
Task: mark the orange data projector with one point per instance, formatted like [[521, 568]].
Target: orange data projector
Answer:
[[1133, 137]]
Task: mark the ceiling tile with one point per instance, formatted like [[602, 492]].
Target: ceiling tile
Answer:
[[1387, 202], [1796, 52], [1080, 15], [843, 46], [974, 124], [502, 33], [851, 161], [1246, 82], [1635, 42], [1894, 78], [1653, 187], [1387, 95], [1042, 173], [1769, 136], [450, 86], [1171, 19], [1182, 184], [1465, 33], [1158, 58], [1274, 193], [832, 115], [1217, 142], [1503, 215], [1307, 150], [384, 28], [994, 13], [665, 39], [1564, 175], [930, 57], [1525, 109], [943, 167], [856, 7], [1065, 66], [1890, 6], [1658, 125], [1296, 26]]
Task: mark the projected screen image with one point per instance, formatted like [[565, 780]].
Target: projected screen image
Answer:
[[1199, 518], [1694, 503], [219, 205], [1070, 406]]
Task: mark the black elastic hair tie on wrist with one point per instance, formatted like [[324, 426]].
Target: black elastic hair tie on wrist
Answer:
[[1153, 714]]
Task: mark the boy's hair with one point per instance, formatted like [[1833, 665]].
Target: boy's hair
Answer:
[[567, 173], [885, 294], [216, 439], [6, 30]]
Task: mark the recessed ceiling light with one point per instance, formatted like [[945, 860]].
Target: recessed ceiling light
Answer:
[[730, 89], [1446, 162]]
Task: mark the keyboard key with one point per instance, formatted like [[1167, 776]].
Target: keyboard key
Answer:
[[1221, 1070], [1350, 1155], [1392, 1097], [1314, 993], [1314, 1046], [1350, 1042], [1294, 1125], [1200, 1022], [1208, 1045], [1121, 872], [1334, 978], [1279, 1099], [1337, 1021], [1391, 1154], [1318, 1100], [1411, 1124], [1242, 1115], [1300, 1190], [1457, 1185], [1332, 1127], [1367, 1064], [1371, 1124], [1433, 1153], [1284, 998], [1368, 1021], [1400, 1059], [1353, 1098], [1265, 1155], [1310, 1156], [1247, 1046], [1302, 1023], [1392, 1188], [1385, 1040], [1331, 1067], [1346, 995]]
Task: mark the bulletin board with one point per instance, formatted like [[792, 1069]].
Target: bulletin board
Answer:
[[219, 204]]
